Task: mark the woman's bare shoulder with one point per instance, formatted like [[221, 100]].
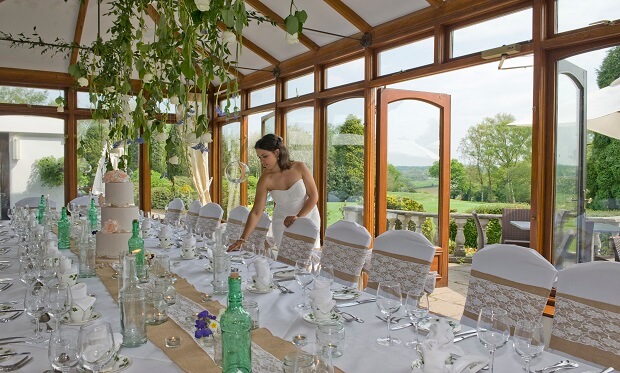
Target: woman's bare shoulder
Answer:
[[299, 166]]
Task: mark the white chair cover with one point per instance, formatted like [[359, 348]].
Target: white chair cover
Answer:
[[83, 203], [345, 247], [209, 219], [174, 212], [297, 241], [33, 202], [586, 323], [511, 277], [192, 214], [235, 223], [260, 232], [403, 256]]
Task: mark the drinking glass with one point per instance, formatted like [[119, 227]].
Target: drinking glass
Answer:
[[416, 307], [63, 349], [47, 266], [58, 300], [528, 340], [493, 330], [324, 272], [389, 300], [304, 277], [95, 345], [27, 270], [34, 304]]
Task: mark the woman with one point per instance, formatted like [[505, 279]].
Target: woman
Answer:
[[291, 186]]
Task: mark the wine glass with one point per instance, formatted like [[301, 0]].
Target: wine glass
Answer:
[[324, 272], [27, 270], [389, 300], [528, 340], [493, 330], [303, 275], [34, 304], [58, 300], [63, 349], [47, 266], [416, 307], [95, 345]]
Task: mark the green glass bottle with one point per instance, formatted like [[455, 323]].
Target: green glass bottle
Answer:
[[41, 210], [136, 247], [236, 324], [64, 241], [92, 216]]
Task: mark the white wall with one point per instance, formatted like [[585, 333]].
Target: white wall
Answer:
[[38, 137]]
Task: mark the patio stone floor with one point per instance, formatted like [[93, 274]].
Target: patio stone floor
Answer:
[[450, 301]]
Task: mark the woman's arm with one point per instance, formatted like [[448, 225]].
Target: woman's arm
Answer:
[[311, 191], [255, 215]]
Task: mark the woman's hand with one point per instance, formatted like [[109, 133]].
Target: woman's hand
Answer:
[[289, 220], [236, 246]]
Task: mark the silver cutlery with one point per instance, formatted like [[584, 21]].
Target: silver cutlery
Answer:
[[284, 289], [348, 316], [393, 320], [560, 364], [18, 365], [9, 338], [357, 302], [6, 286], [462, 337], [15, 354], [607, 370], [12, 317]]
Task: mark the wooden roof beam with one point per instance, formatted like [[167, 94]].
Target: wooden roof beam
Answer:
[[253, 47], [435, 3], [350, 15], [267, 12], [79, 27]]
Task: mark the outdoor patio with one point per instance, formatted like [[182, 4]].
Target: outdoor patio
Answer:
[[450, 301]]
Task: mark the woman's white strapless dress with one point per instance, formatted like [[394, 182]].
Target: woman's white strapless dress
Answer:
[[288, 203]]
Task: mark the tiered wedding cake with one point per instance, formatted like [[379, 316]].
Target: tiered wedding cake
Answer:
[[117, 212]]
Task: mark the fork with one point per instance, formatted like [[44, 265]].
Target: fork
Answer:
[[6, 286], [348, 316], [12, 317], [562, 364], [9, 368], [284, 289]]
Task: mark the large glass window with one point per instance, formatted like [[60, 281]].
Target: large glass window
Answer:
[[345, 161], [407, 56], [299, 86], [574, 14], [231, 151], [263, 96], [345, 73], [259, 125], [300, 135], [509, 29], [30, 96]]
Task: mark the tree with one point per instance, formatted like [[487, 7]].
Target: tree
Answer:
[[610, 68], [18, 95], [345, 173], [458, 182]]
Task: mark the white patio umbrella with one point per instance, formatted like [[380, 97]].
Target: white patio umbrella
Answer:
[[603, 111]]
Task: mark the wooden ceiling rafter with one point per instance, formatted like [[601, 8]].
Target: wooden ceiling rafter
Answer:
[[79, 28], [435, 3], [253, 47], [269, 13], [349, 14]]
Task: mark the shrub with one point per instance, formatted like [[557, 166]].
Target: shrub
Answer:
[[51, 171], [160, 196], [403, 203]]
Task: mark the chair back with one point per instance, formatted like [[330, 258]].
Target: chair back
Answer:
[[482, 238], [614, 243], [260, 232], [192, 214], [209, 218], [297, 241], [512, 234], [83, 203], [235, 223], [586, 323], [561, 253], [345, 247], [33, 202], [403, 256], [174, 211], [514, 278]]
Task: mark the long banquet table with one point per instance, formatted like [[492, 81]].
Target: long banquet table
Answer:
[[277, 315]]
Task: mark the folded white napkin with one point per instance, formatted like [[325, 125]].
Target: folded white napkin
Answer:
[[65, 265], [189, 241], [321, 297], [263, 274], [80, 297], [468, 364], [146, 225], [165, 232], [438, 346]]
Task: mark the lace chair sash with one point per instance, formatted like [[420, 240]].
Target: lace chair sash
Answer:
[[207, 225], [191, 213], [191, 220], [519, 300], [295, 247], [173, 216], [258, 237], [410, 272], [234, 228], [586, 329], [347, 259]]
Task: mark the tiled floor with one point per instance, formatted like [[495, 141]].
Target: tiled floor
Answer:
[[450, 301]]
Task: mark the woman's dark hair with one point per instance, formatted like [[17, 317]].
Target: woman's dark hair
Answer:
[[271, 142]]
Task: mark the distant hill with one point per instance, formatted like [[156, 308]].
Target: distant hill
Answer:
[[418, 175]]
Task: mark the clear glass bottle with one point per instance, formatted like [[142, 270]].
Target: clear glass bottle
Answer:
[[93, 216], [235, 325], [87, 250], [41, 210], [132, 303], [136, 247], [64, 239]]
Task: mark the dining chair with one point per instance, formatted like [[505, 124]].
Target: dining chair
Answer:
[[209, 218], [174, 211], [235, 222], [192, 214], [586, 322], [297, 241], [510, 233], [614, 243], [33, 202], [402, 256], [511, 277], [345, 247], [83, 203], [259, 234]]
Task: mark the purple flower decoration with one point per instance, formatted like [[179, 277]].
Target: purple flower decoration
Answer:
[[219, 111], [129, 142], [140, 140], [181, 121], [200, 146], [116, 144]]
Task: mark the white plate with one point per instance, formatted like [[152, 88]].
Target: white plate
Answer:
[[425, 325], [346, 294], [252, 289], [66, 319], [309, 317], [287, 273], [4, 350], [121, 362]]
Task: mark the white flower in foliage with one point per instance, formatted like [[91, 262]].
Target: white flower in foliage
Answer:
[[292, 39], [83, 82], [203, 5], [173, 160], [206, 138], [60, 109], [174, 100], [161, 136], [148, 77], [229, 37]]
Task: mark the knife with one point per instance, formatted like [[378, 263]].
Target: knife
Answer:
[[355, 303], [458, 339], [7, 311], [608, 370], [9, 338], [15, 354]]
